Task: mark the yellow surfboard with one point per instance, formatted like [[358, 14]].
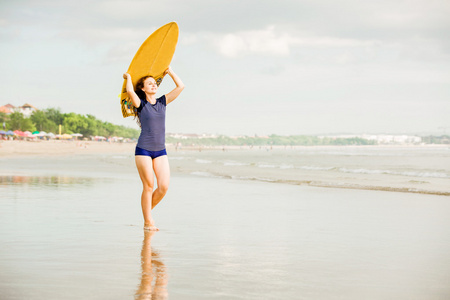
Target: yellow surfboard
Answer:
[[153, 58]]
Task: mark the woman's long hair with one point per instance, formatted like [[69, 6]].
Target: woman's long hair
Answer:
[[141, 95]]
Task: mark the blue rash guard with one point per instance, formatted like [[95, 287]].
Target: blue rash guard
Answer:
[[153, 124]]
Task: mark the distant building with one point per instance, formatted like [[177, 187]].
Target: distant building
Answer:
[[183, 136], [27, 110], [207, 136], [383, 139], [5, 110], [8, 109]]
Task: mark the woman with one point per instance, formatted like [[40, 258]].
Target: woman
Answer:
[[150, 154]]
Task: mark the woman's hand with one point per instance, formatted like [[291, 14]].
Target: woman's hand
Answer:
[[126, 76], [168, 71]]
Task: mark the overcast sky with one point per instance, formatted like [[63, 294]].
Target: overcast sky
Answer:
[[250, 67]]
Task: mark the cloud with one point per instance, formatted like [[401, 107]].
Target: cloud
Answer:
[[269, 41], [265, 41]]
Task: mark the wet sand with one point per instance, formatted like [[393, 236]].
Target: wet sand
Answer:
[[71, 228]]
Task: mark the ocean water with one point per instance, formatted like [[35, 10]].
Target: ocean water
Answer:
[[405, 169], [71, 228]]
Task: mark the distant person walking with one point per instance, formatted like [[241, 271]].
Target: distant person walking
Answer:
[[150, 154]]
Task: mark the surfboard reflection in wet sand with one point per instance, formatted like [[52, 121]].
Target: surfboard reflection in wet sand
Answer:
[[153, 269]]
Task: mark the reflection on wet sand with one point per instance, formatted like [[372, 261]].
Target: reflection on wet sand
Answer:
[[153, 269]]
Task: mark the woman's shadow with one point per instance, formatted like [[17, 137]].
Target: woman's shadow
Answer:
[[154, 274]]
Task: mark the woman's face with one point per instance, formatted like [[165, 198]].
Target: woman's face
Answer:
[[150, 86]]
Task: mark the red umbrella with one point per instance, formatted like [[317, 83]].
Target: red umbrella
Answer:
[[19, 133]]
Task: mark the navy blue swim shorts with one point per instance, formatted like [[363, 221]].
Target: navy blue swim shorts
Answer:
[[152, 154]]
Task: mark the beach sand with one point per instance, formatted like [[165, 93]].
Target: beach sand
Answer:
[[71, 228], [18, 148]]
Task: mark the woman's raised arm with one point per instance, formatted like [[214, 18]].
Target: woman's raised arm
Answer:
[[176, 91], [130, 91]]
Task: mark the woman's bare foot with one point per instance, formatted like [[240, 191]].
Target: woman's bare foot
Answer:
[[150, 226]]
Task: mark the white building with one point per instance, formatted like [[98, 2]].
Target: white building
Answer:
[[27, 110], [383, 138]]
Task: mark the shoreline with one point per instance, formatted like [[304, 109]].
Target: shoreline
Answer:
[[212, 162]]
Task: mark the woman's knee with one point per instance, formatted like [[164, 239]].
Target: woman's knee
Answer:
[[163, 187], [148, 187]]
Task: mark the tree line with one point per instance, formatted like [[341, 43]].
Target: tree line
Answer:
[[48, 120]]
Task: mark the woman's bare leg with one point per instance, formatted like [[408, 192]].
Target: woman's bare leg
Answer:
[[144, 166], [162, 172]]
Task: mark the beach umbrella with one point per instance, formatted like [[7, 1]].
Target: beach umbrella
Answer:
[[42, 133], [77, 135], [51, 135], [66, 136], [35, 132], [2, 132], [27, 133], [9, 132], [19, 133]]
